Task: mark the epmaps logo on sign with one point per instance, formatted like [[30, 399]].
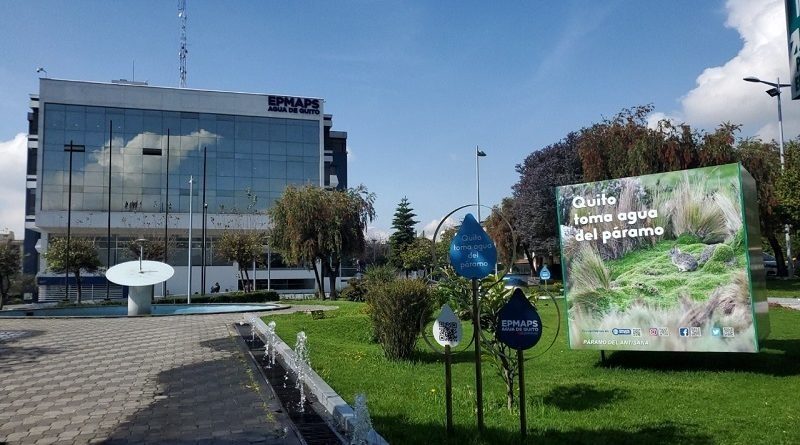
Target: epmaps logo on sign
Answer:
[[520, 326], [295, 105]]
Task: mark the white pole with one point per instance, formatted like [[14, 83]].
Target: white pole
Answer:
[[785, 227], [189, 282], [254, 274], [269, 267]]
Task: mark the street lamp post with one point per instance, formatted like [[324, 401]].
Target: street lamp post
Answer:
[[478, 155], [205, 217], [71, 148], [108, 213], [189, 282], [775, 91], [166, 215]]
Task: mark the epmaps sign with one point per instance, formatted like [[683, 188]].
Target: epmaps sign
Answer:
[[293, 105], [519, 325]]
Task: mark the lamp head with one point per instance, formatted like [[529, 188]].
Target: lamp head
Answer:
[[751, 79]]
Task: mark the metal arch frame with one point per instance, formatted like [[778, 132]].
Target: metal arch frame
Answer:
[[506, 271], [505, 220]]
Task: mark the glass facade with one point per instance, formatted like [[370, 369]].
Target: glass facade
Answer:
[[250, 160]]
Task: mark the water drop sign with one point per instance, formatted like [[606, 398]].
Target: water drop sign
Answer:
[[544, 274], [472, 252], [519, 325], [447, 328]]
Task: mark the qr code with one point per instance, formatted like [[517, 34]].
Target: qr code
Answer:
[[663, 332], [636, 332], [727, 332], [448, 331], [695, 331]]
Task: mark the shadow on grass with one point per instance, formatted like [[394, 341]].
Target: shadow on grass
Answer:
[[428, 356], [582, 397], [782, 364], [399, 430]]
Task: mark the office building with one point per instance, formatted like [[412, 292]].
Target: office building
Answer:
[[139, 145]]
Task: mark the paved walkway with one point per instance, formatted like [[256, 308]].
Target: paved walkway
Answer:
[[140, 380], [791, 303]]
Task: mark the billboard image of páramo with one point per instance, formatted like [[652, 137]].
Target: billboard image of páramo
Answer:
[[664, 262]]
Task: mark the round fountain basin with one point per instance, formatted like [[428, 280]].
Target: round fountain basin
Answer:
[[157, 310]]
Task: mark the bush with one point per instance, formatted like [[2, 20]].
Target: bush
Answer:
[[356, 290], [397, 309], [377, 277]]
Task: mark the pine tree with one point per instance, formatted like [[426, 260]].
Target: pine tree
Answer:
[[403, 235]]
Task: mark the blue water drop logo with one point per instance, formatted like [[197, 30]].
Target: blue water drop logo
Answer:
[[472, 252]]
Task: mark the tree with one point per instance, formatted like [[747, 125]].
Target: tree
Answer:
[[311, 224], [352, 210], [787, 187], [376, 252], [418, 255], [242, 246], [9, 267], [152, 247], [499, 226], [81, 256], [762, 160], [404, 234], [534, 193], [457, 292]]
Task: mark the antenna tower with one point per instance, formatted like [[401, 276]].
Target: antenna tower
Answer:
[[183, 51]]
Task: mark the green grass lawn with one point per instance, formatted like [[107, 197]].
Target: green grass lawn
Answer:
[[783, 288], [637, 398]]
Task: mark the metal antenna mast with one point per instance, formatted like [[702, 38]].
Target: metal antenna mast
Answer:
[[183, 51]]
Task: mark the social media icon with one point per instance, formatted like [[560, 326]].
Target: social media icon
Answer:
[[716, 332], [654, 332], [683, 332]]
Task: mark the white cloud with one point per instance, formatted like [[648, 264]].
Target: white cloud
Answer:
[[430, 228], [377, 234], [721, 95], [13, 161]]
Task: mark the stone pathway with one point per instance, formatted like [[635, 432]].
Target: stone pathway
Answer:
[[791, 303], [176, 380]]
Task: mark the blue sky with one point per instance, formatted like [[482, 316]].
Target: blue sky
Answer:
[[417, 85]]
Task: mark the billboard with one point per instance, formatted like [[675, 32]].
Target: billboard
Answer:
[[793, 30], [664, 262]]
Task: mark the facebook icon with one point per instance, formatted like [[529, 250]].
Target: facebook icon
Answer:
[[683, 332]]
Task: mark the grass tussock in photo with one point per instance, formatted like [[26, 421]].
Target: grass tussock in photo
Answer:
[[710, 216]]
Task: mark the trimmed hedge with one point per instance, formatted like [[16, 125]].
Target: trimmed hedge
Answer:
[[260, 296]]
